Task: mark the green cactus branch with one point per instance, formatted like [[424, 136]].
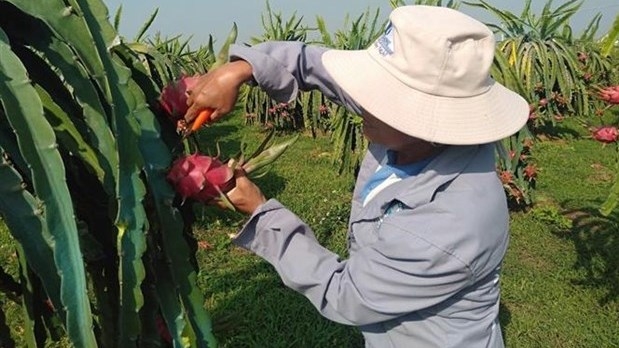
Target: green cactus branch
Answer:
[[158, 158], [24, 110], [19, 210], [66, 22], [60, 58]]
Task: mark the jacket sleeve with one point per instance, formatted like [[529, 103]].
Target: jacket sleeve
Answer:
[[282, 68], [384, 281]]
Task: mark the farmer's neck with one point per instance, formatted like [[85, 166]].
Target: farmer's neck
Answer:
[[416, 151]]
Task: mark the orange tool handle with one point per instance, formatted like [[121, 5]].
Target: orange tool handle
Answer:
[[203, 117]]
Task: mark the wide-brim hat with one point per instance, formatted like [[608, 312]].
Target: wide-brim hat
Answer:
[[428, 76]]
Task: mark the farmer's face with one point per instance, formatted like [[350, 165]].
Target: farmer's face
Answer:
[[379, 132]]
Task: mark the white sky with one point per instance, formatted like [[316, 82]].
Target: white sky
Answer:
[[199, 18]]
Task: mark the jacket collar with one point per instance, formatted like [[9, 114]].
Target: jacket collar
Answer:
[[420, 189]]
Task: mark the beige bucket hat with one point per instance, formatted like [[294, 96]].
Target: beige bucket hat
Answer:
[[428, 76]]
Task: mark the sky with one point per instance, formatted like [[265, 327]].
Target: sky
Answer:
[[197, 19]]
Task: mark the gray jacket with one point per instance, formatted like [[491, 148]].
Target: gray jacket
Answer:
[[425, 252]]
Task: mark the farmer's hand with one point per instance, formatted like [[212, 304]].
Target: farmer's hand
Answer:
[[217, 90], [245, 196]]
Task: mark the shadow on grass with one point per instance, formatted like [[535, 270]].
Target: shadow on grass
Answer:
[[505, 318], [596, 239], [227, 138], [557, 132], [263, 312]]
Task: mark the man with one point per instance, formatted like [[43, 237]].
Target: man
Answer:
[[429, 222]]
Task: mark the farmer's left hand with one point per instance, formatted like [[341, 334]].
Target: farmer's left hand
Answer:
[[246, 197]]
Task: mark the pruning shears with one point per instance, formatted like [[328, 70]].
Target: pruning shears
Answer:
[[203, 118]]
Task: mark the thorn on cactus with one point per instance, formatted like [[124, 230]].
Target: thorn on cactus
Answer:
[[204, 245], [512, 154], [516, 194], [539, 87], [323, 109]]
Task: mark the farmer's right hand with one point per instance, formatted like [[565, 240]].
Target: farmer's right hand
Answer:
[[217, 90]]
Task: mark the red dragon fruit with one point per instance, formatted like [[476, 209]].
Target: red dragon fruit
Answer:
[[610, 94], [199, 177], [606, 134], [173, 98], [204, 178]]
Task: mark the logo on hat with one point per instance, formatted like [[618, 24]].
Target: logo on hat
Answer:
[[384, 44]]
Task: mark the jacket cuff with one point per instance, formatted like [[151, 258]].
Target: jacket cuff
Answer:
[[245, 237]]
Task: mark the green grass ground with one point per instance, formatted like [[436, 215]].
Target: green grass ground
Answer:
[[560, 277]]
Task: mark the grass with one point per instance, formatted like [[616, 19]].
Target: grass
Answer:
[[560, 278]]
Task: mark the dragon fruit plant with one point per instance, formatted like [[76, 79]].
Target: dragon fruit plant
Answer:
[[86, 148], [608, 135]]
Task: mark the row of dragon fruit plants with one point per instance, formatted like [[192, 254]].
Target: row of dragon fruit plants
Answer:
[[561, 74]]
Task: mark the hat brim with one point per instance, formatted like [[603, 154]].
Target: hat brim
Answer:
[[488, 117]]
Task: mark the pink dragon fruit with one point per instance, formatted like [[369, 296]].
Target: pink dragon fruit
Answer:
[[173, 98], [200, 178], [606, 134], [204, 178], [610, 94]]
